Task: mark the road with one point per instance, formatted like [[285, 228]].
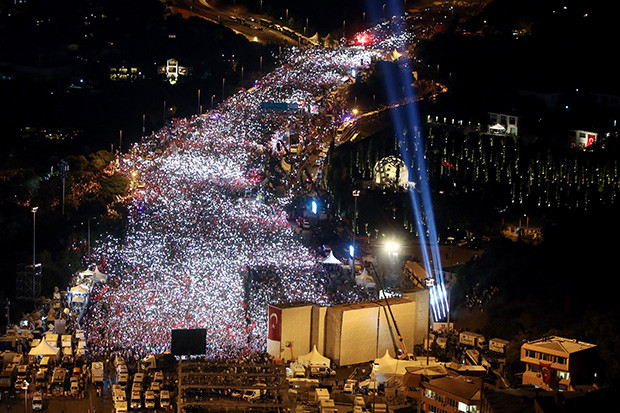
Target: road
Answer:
[[231, 18]]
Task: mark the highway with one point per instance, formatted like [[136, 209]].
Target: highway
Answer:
[[235, 18]]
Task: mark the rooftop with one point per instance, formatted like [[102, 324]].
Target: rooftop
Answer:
[[566, 345]]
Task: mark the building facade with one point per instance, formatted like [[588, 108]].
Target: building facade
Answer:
[[557, 363]]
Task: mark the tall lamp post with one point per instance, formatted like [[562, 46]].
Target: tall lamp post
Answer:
[[356, 194], [34, 235], [430, 282]]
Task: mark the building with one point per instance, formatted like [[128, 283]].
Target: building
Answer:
[[503, 124], [556, 363], [172, 70], [451, 394], [125, 73], [581, 139], [542, 401], [347, 333]]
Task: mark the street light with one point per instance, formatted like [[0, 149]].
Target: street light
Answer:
[[392, 247], [430, 283], [356, 194], [34, 234], [25, 387]]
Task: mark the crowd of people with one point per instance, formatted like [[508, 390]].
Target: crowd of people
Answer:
[[203, 248]]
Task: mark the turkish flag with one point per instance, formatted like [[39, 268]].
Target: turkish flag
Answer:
[[545, 369], [447, 165], [591, 139], [275, 323]]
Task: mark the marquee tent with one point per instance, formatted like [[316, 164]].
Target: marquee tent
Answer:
[[44, 349], [79, 289], [77, 299], [314, 358], [365, 280], [99, 276], [332, 260]]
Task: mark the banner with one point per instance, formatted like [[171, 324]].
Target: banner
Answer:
[[545, 369], [275, 323]]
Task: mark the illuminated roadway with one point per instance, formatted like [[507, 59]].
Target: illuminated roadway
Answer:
[[252, 30]]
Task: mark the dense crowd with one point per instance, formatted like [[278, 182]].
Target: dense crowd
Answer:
[[204, 245]]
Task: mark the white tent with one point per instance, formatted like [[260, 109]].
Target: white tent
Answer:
[[315, 39], [365, 280], [314, 358], [385, 365], [79, 289], [77, 299], [331, 259], [44, 349], [99, 276], [497, 128]]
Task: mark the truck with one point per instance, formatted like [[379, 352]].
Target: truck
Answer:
[[297, 369], [149, 400], [6, 378], [40, 380], [498, 345], [118, 395], [472, 339], [37, 402], [120, 406], [327, 406], [123, 378], [58, 380], [251, 395], [66, 340], [320, 394], [96, 372], [22, 374], [136, 400], [164, 399], [349, 386]]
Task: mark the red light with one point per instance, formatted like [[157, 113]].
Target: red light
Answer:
[[363, 39]]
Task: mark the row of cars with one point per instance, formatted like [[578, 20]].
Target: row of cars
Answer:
[[145, 391]]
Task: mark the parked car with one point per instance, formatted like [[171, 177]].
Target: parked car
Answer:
[[37, 402], [164, 399], [149, 400]]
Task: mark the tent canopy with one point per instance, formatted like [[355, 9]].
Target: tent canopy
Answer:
[[99, 276], [314, 358], [78, 289], [331, 259], [365, 280], [44, 349], [77, 299]]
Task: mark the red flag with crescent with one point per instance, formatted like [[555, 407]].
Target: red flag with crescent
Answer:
[[545, 369], [275, 323]]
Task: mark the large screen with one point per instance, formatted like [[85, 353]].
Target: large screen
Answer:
[[188, 342]]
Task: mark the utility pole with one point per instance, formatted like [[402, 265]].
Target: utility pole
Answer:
[[64, 171], [356, 194], [34, 234]]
